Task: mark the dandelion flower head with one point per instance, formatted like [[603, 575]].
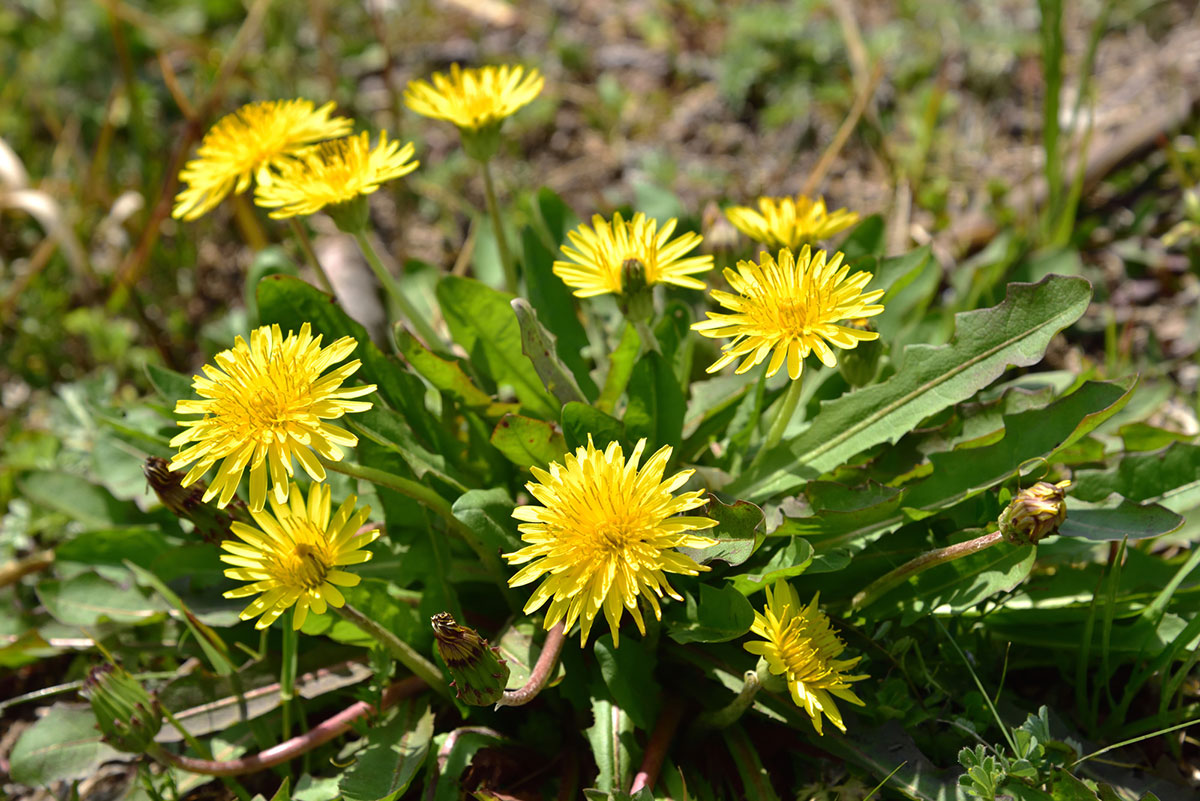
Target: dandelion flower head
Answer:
[[600, 256], [800, 645], [474, 98], [246, 144], [294, 555], [605, 535], [264, 403], [784, 222], [333, 172], [788, 308]]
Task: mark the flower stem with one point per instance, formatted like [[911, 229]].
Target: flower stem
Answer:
[[656, 749], [290, 749], [885, 583], [287, 672], [435, 503], [310, 254], [729, 714], [783, 415], [404, 653], [543, 669], [510, 270], [422, 326]]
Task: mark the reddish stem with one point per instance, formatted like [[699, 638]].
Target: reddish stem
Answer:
[[290, 749], [543, 669], [656, 749]]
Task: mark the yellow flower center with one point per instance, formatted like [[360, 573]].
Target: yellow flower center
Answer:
[[306, 566]]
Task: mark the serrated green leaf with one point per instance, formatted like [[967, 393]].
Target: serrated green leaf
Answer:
[[87, 599], [841, 511], [928, 380], [79, 500], [394, 754], [1170, 476], [738, 532], [483, 323], [656, 405], [488, 513], [1068, 788], [541, 348], [63, 745], [620, 368], [527, 442], [447, 376], [170, 385], [390, 430]]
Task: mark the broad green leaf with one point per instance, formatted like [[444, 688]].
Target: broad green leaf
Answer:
[[1028, 435], [394, 753], [1116, 519], [113, 546], [483, 323], [527, 442], [579, 420], [628, 672], [720, 614], [1142, 436], [1068, 788], [620, 368], [928, 380], [864, 239], [447, 376], [656, 404], [172, 386], [738, 532], [955, 586], [1170, 476], [756, 780], [611, 736], [792, 558], [78, 499], [87, 599], [541, 347], [290, 303], [841, 511], [488, 513], [61, 746], [520, 650], [390, 430]]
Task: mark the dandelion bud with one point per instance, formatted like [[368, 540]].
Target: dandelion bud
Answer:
[[187, 503], [128, 716], [480, 675], [1035, 513], [636, 298]]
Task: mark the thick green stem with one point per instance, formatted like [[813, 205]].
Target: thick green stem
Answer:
[[404, 653], [287, 672], [728, 715], [435, 503], [493, 208], [885, 583], [423, 328], [784, 412], [310, 254]]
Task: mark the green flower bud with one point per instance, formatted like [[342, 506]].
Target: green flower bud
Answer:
[[483, 142], [480, 675], [126, 714], [350, 216], [637, 297], [1035, 513], [188, 503]]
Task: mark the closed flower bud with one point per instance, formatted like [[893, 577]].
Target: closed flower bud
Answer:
[[480, 675], [127, 715], [188, 503], [1035, 513], [637, 298]]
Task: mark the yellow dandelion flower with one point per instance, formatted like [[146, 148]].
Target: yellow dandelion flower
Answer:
[[293, 557], [333, 173], [790, 306], [605, 535], [264, 403], [474, 98], [244, 145], [801, 646], [784, 222], [600, 259]]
